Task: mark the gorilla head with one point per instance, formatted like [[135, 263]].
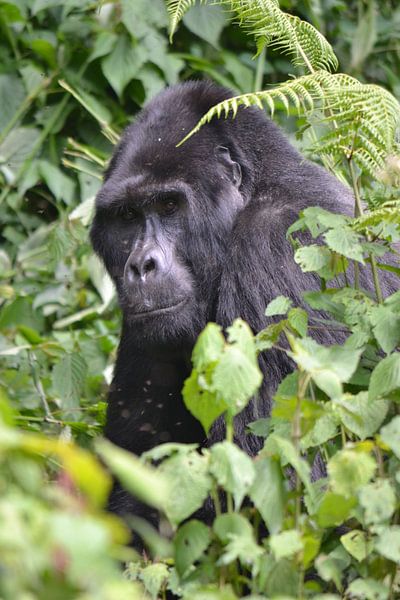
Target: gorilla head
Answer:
[[164, 214]]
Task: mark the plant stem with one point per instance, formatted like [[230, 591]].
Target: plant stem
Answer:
[[39, 387], [359, 211], [259, 76], [229, 428]]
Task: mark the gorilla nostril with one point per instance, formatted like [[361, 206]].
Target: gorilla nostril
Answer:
[[141, 268], [135, 270], [149, 265]]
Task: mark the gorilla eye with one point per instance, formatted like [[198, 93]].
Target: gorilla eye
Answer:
[[128, 214], [169, 206]]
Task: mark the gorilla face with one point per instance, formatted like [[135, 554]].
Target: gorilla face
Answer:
[[162, 240]]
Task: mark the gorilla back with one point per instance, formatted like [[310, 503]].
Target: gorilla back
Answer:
[[196, 234]]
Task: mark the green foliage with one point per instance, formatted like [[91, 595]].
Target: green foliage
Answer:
[[71, 74]]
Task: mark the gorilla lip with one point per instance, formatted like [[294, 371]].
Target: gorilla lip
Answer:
[[158, 311]]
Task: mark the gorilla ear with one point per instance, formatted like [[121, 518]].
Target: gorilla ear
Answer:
[[232, 168]]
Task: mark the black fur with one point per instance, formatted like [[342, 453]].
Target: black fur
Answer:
[[218, 254]]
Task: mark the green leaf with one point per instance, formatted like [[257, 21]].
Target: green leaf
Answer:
[[15, 149], [12, 94], [286, 544], [388, 543], [331, 566], [313, 258], [144, 482], [233, 470], [360, 415], [267, 492], [334, 509], [349, 470], [189, 482], [390, 435], [123, 64], [154, 577], [298, 320], [229, 524], [61, 186], [368, 589], [236, 378], [261, 427], [357, 544], [324, 429], [386, 327], [204, 405], [139, 20], [346, 242], [68, 379], [385, 378], [241, 336], [279, 306], [289, 454], [237, 534], [190, 543], [378, 500], [363, 40], [329, 367], [207, 22], [209, 346]]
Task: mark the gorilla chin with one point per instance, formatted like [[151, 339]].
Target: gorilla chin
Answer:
[[167, 326], [162, 310]]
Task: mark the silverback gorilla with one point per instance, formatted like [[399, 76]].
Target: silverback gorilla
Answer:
[[193, 234]]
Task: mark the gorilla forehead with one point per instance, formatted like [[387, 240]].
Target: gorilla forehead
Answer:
[[149, 146]]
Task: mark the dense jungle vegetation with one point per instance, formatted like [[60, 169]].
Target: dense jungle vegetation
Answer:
[[73, 74]]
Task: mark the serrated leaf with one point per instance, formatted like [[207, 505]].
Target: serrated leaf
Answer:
[[298, 320], [386, 327], [361, 415], [385, 378], [357, 544], [232, 523], [153, 578], [233, 470], [68, 379], [346, 242], [349, 470], [334, 509], [236, 378], [279, 306], [378, 500], [267, 492], [189, 484], [368, 589], [390, 435], [329, 367], [388, 543], [203, 404], [286, 544], [209, 346], [240, 335]]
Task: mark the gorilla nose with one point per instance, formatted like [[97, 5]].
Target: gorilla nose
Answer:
[[139, 268]]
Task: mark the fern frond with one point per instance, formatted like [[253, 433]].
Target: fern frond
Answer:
[[273, 27], [388, 213], [364, 117], [176, 9]]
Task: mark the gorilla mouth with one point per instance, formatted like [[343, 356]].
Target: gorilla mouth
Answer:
[[159, 311]]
